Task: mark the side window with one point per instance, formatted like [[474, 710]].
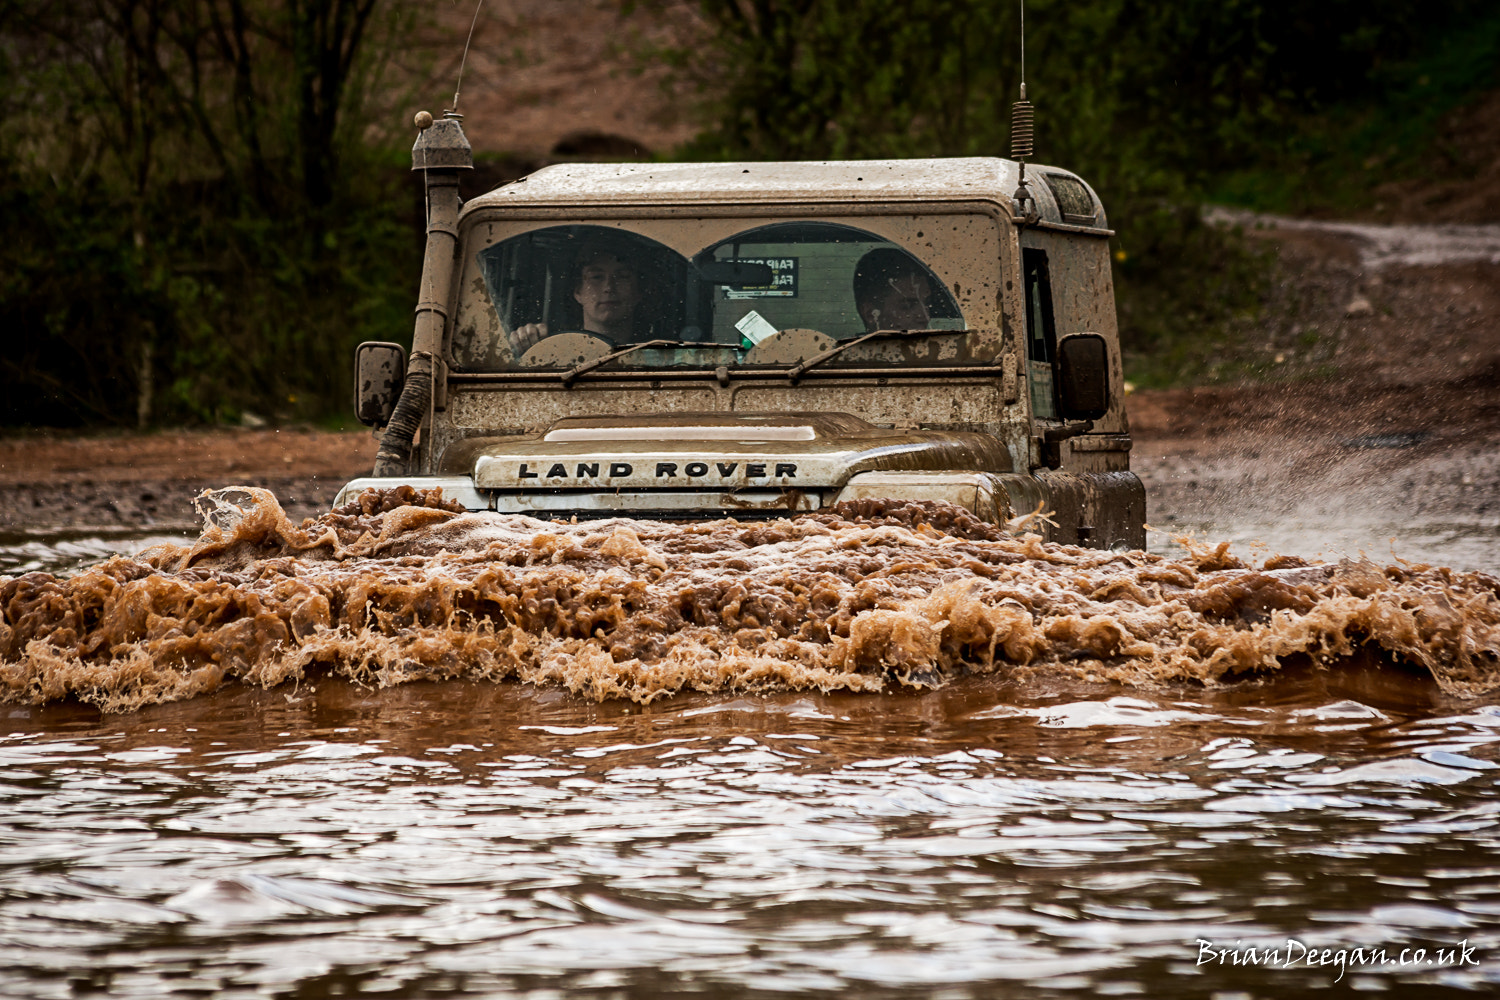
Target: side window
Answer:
[[1073, 199], [1041, 332]]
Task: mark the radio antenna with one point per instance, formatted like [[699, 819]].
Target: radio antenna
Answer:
[[458, 84], [1022, 137]]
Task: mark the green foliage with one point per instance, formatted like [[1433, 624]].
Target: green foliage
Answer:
[[1191, 87], [1335, 158], [196, 224], [76, 307], [1151, 102], [1184, 294]]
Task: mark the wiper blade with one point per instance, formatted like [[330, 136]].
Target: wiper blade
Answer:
[[571, 375], [797, 371]]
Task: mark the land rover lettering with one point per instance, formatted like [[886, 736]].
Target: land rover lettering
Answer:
[[620, 469], [698, 470]]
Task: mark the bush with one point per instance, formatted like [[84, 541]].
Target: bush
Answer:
[[198, 224]]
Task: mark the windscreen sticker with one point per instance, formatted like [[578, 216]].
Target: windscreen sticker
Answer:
[[783, 280], [755, 327]]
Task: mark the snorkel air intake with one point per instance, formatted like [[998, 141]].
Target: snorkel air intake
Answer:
[[440, 152]]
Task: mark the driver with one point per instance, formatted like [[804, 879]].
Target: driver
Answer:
[[891, 291], [608, 289]]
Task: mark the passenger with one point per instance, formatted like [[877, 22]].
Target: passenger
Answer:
[[891, 291], [608, 288]]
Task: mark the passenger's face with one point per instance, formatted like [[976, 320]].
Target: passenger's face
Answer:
[[901, 305], [609, 290]]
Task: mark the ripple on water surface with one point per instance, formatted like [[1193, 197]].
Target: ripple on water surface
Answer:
[[65, 553], [476, 839], [884, 752]]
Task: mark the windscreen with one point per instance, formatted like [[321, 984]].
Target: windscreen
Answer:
[[774, 294]]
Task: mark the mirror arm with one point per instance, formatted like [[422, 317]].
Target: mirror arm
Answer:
[[1053, 437], [1057, 435]]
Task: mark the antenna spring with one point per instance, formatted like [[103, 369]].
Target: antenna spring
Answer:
[[1022, 129]]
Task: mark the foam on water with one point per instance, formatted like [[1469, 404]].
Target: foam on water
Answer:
[[873, 596]]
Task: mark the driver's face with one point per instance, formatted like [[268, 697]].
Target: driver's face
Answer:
[[609, 290], [902, 305]]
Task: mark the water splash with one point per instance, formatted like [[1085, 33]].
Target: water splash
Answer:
[[873, 596]]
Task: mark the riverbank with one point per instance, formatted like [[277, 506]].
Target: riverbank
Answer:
[[53, 481], [1377, 414], [1241, 462]]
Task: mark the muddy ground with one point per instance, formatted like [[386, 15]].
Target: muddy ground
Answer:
[[126, 481], [1386, 400], [1382, 393]]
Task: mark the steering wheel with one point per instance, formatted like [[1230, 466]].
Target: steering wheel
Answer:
[[789, 347], [564, 350]]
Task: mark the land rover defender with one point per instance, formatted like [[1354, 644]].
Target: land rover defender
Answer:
[[751, 340]]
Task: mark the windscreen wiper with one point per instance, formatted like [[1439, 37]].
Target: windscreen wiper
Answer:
[[571, 375], [796, 371]]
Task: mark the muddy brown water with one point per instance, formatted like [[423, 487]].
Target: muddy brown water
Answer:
[[888, 754]]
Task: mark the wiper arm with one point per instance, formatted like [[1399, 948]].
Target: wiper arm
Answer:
[[571, 375], [797, 371]]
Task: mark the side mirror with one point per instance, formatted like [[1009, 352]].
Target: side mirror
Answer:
[[1082, 376], [379, 373], [736, 273]]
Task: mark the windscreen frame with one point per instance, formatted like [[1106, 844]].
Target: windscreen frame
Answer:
[[967, 245]]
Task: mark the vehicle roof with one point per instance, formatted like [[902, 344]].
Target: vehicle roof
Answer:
[[972, 178]]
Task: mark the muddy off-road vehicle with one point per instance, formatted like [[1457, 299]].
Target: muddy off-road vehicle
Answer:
[[752, 340]]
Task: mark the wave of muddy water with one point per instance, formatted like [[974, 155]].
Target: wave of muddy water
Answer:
[[900, 761], [872, 597]]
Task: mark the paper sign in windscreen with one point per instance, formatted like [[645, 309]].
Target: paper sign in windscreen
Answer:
[[783, 280]]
